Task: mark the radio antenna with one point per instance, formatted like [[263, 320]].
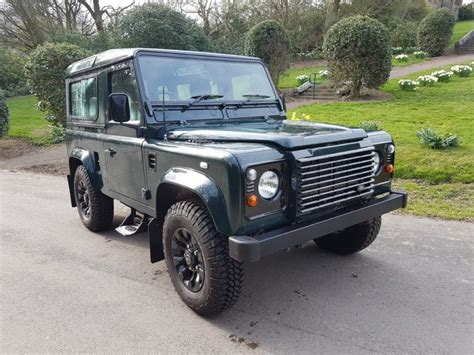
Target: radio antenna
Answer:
[[165, 137]]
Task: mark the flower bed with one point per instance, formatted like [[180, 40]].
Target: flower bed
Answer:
[[401, 57], [324, 74], [420, 54], [408, 85], [462, 70], [302, 79], [427, 80], [443, 75]]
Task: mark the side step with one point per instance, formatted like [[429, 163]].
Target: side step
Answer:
[[133, 224]]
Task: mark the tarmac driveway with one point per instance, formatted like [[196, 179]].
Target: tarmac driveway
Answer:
[[65, 289]]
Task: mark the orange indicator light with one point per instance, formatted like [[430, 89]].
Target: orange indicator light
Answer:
[[389, 168], [252, 200]]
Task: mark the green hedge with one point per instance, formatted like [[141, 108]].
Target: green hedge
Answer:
[[435, 31]]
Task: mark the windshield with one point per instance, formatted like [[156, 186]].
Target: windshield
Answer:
[[185, 79]]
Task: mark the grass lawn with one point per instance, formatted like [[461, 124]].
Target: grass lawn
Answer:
[[446, 107], [26, 121], [288, 79], [461, 28]]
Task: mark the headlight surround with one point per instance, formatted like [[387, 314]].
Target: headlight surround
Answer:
[[269, 184], [377, 163]]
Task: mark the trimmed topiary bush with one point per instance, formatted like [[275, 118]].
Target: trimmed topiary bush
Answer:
[[357, 50], [159, 26], [269, 41], [435, 31], [4, 115], [45, 71]]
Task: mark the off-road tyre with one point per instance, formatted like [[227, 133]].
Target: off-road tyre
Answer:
[[352, 239], [223, 276], [101, 207]]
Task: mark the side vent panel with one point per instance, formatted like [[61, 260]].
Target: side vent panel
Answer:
[[152, 161]]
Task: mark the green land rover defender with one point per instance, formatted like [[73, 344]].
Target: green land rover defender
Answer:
[[199, 147]]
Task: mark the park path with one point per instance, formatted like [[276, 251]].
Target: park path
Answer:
[[432, 63]]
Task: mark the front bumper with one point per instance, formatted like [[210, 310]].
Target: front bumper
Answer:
[[245, 248]]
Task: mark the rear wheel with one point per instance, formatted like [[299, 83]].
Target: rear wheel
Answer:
[[95, 209], [206, 278], [352, 239]]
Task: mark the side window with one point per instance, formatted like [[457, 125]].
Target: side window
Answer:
[[124, 82], [84, 99]]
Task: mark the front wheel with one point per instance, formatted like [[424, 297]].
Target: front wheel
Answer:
[[206, 278], [95, 209], [352, 239]]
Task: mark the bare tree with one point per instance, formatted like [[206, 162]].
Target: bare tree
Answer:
[[98, 12], [27, 23]]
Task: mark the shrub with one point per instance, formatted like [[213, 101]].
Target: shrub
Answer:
[[357, 50], [370, 126], [158, 26], [45, 71], [427, 80], [462, 70], [401, 58], [269, 41], [403, 35], [420, 54], [4, 115], [430, 138], [57, 134], [443, 75], [12, 76], [466, 12], [302, 79], [408, 85], [434, 32]]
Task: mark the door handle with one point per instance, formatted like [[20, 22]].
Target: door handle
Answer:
[[111, 151]]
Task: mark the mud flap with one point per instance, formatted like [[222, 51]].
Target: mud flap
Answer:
[[155, 237], [70, 182]]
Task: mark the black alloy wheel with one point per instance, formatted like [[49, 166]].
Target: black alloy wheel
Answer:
[[188, 260]]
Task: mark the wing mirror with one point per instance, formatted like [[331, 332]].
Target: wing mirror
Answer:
[[119, 108]]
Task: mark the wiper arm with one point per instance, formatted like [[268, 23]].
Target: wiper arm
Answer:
[[199, 98], [250, 97], [255, 96]]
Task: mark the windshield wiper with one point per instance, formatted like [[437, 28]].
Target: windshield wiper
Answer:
[[199, 98], [255, 96]]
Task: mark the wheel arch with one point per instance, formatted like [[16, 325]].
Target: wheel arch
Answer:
[[77, 157], [180, 184]]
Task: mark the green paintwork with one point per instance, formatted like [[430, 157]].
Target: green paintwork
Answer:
[[137, 164]]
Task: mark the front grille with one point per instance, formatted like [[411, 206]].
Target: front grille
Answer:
[[332, 181]]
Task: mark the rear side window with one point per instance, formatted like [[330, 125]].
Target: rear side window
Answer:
[[84, 99]]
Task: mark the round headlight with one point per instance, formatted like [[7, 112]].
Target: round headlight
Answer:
[[251, 174], [390, 149], [377, 163], [268, 185]]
